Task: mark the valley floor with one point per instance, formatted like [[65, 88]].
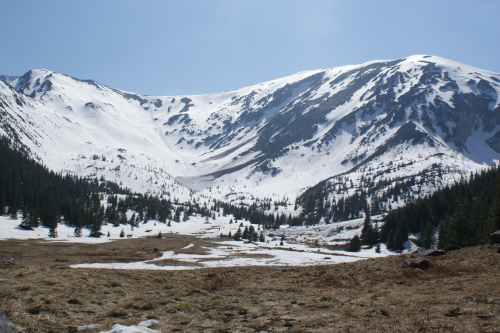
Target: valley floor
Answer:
[[460, 292]]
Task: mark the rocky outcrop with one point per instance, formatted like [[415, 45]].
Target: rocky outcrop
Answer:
[[417, 262], [5, 325]]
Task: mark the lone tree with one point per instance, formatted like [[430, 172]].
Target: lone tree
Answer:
[[369, 236], [354, 244]]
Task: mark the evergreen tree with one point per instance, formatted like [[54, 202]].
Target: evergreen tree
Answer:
[[493, 220], [53, 232], [26, 223], [426, 235], [177, 215], [237, 235], [390, 240], [133, 221], [254, 236], [442, 236], [354, 244], [369, 236], [398, 240], [245, 234]]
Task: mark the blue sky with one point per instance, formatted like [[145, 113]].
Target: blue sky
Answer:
[[168, 47]]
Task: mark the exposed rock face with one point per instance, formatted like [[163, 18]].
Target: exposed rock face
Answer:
[[5, 325], [375, 123]]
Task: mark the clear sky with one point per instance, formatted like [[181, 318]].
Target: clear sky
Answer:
[[173, 47]]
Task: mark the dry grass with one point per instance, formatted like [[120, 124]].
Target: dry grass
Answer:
[[460, 292]]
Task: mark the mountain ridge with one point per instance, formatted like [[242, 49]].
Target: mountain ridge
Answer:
[[273, 139]]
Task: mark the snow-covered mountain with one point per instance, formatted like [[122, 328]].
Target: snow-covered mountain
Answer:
[[340, 129]]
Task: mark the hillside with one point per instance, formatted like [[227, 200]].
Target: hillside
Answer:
[[422, 118]]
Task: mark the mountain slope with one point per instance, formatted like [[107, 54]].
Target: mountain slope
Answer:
[[361, 125]]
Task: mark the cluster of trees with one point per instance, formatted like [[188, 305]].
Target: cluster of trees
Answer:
[[317, 203], [463, 214], [45, 196], [460, 215], [256, 215], [249, 234]]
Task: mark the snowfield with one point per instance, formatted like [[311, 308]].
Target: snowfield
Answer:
[[270, 140], [301, 245]]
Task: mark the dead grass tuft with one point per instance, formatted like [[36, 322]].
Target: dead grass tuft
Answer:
[[113, 284], [216, 279], [117, 313], [75, 301]]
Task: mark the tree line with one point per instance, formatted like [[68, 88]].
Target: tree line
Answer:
[[453, 217], [461, 215], [48, 198]]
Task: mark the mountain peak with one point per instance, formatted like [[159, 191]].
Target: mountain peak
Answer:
[[273, 138]]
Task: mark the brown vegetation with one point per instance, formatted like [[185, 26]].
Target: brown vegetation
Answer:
[[459, 292]]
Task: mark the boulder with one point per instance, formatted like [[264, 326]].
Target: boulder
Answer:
[[495, 237], [5, 325], [417, 262], [7, 261]]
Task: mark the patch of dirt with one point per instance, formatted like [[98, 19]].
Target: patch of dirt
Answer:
[[459, 292]]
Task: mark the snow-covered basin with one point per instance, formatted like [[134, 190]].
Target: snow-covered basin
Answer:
[[296, 249]]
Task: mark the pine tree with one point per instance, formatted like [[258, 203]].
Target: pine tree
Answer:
[[237, 235], [390, 240], [369, 235], [426, 235], [354, 244], [254, 236], [493, 221], [53, 232], [177, 215], [398, 240], [245, 234], [26, 223]]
